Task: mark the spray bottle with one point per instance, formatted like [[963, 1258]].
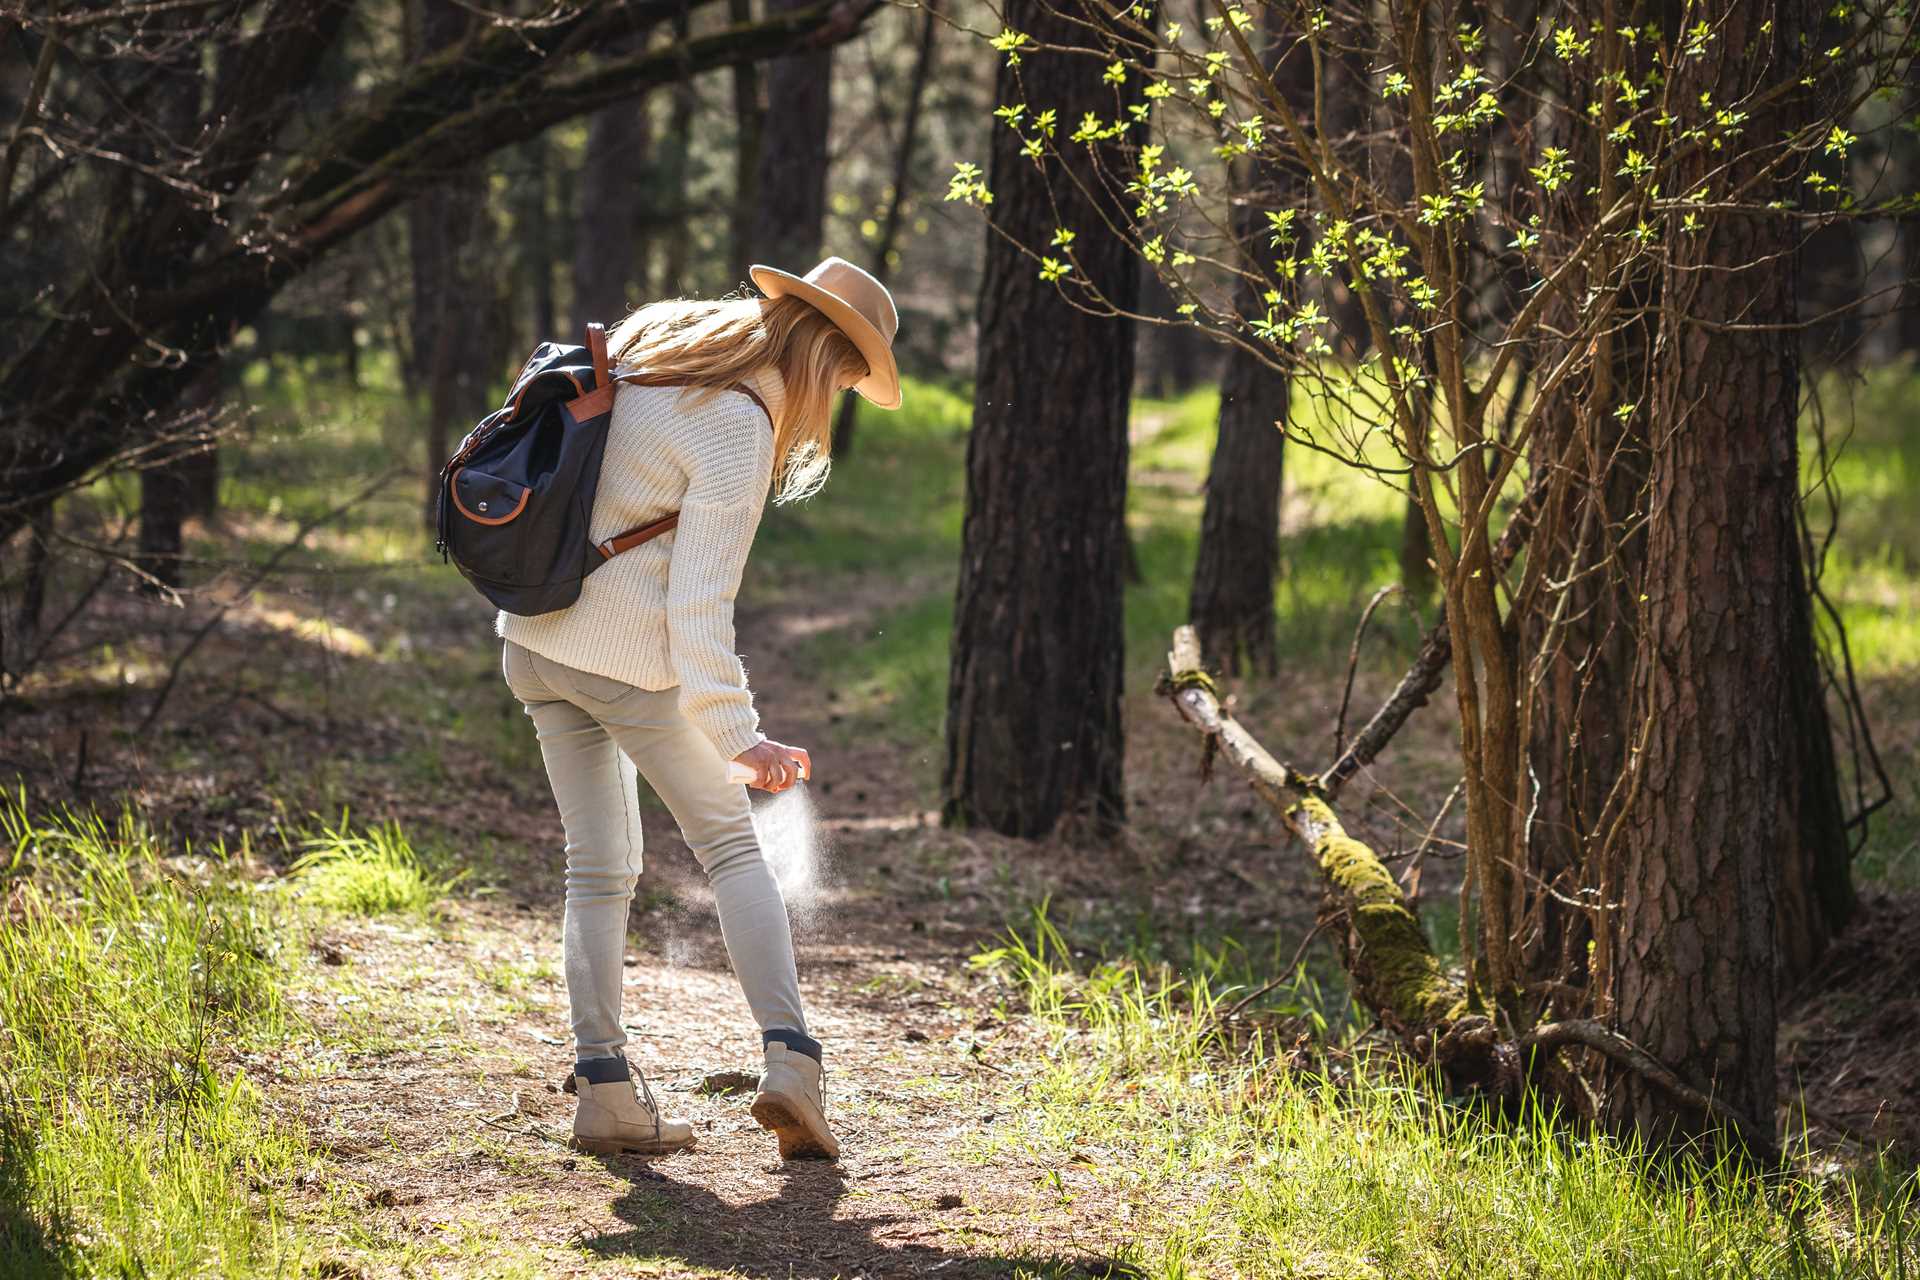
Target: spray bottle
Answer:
[[741, 773]]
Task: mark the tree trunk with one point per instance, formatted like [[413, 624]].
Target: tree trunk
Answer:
[[1034, 730], [790, 206], [1231, 605], [1173, 356], [33, 591], [1816, 896], [163, 510], [883, 252], [607, 246], [1581, 636], [536, 241], [1348, 97], [1719, 801], [1416, 553], [442, 226], [748, 118], [676, 180], [1899, 267]]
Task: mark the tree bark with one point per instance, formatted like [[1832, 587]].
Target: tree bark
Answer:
[[163, 511], [749, 120], [608, 277], [1173, 356], [1719, 801], [442, 226], [883, 252], [536, 240], [1034, 730], [790, 191], [677, 179], [1231, 602], [1590, 463], [33, 590]]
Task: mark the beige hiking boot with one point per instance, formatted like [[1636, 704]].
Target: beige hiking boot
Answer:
[[789, 1104], [615, 1117]]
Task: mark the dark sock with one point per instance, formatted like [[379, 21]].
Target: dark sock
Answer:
[[798, 1041], [601, 1070]]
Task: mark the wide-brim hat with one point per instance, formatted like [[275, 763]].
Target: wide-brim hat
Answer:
[[859, 307]]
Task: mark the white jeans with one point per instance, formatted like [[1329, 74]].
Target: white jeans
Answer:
[[594, 732]]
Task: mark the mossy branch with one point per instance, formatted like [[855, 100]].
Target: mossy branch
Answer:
[[1384, 950], [1393, 966]]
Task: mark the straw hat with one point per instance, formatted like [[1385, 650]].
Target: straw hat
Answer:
[[862, 309]]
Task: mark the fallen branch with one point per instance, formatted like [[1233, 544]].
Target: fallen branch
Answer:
[[1386, 953], [1395, 972]]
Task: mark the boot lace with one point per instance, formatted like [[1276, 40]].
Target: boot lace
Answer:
[[653, 1108]]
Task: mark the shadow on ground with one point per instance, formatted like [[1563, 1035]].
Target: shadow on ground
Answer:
[[799, 1232]]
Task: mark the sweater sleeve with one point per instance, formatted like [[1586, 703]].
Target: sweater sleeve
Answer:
[[729, 469]]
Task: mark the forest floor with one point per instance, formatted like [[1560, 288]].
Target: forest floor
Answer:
[[432, 1042]]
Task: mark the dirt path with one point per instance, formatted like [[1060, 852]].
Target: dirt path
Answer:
[[443, 1119], [434, 1091]]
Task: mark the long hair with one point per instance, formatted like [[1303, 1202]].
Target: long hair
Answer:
[[715, 345]]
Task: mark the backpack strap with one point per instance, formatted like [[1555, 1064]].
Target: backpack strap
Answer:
[[635, 536], [597, 345], [661, 380], [600, 399], [645, 533]]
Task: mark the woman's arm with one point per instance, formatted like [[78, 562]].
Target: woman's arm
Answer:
[[729, 469]]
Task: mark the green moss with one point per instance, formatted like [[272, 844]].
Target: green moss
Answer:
[[1395, 969]]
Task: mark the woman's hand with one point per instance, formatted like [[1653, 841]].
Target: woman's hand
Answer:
[[775, 765]]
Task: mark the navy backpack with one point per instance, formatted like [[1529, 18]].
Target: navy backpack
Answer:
[[516, 498]]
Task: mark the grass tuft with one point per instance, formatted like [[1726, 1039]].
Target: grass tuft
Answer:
[[130, 1141], [1368, 1172], [367, 874]]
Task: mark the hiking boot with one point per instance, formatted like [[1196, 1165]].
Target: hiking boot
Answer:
[[789, 1104], [619, 1116]]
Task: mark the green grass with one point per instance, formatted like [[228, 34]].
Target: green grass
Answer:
[[370, 874], [130, 1141], [1228, 1163], [900, 497], [137, 978]]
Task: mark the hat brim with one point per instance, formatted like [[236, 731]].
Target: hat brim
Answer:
[[881, 386]]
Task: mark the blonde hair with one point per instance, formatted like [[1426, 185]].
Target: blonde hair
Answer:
[[715, 345]]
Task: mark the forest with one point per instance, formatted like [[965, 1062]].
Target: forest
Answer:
[[1360, 719]]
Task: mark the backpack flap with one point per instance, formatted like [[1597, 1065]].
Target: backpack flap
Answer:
[[500, 536], [487, 499]]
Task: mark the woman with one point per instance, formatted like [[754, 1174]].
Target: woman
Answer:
[[640, 672]]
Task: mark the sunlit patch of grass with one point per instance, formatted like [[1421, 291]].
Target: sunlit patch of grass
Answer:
[[893, 502], [371, 873], [890, 672], [1144, 1096], [130, 1142]]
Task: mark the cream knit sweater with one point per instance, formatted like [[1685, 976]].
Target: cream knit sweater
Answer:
[[661, 614]]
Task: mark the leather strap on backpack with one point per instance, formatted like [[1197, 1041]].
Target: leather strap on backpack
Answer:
[[635, 536], [588, 406], [597, 345]]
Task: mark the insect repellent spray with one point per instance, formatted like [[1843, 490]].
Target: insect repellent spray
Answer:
[[790, 841]]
